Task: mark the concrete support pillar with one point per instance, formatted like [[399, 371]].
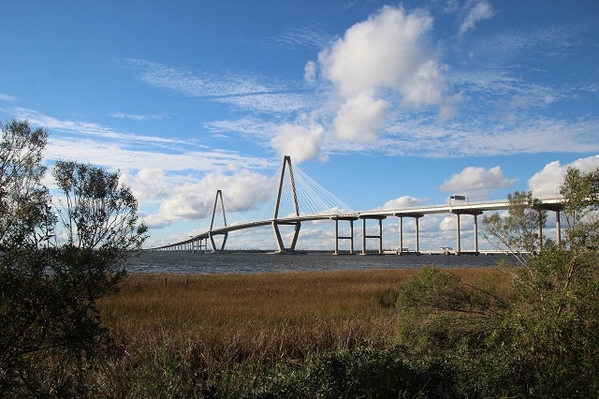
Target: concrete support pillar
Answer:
[[351, 234], [351, 220], [400, 252], [364, 236], [458, 214], [416, 217], [458, 245], [336, 237], [476, 233], [558, 227], [540, 233], [379, 236]]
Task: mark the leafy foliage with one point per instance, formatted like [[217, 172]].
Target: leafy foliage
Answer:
[[54, 269], [357, 373], [518, 233], [541, 337]]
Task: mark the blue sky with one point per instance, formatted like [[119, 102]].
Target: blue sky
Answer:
[[384, 104]]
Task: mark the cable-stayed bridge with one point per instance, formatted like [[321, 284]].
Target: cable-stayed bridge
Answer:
[[291, 191]]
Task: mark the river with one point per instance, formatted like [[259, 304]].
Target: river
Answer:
[[255, 263]]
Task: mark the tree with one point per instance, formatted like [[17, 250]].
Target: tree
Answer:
[[532, 330], [57, 261], [518, 232], [23, 200]]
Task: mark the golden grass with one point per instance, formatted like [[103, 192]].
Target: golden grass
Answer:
[[214, 323], [246, 307]]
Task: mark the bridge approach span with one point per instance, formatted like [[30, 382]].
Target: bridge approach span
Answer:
[[199, 242]]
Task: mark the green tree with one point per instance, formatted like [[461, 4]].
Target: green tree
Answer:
[[56, 261], [518, 232], [532, 330]]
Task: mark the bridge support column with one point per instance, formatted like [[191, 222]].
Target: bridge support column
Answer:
[[557, 209], [416, 217], [351, 220], [213, 243], [279, 237], [219, 195], [380, 219], [475, 214], [275, 222]]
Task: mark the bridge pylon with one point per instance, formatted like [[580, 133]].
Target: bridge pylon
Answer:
[[286, 166], [211, 234]]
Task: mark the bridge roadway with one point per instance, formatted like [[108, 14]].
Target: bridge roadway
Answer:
[[470, 208]]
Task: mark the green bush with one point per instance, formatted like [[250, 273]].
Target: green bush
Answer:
[[355, 373], [539, 340]]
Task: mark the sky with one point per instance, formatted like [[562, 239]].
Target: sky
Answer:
[[384, 104]]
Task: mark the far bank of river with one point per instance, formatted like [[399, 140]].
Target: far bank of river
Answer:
[[257, 262]]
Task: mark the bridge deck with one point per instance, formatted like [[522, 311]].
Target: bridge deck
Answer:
[[467, 208]]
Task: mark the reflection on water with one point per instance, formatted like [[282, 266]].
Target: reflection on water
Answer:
[[192, 263]]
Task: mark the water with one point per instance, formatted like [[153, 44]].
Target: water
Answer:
[[254, 263]]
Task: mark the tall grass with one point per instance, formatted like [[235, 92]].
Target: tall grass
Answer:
[[179, 336]]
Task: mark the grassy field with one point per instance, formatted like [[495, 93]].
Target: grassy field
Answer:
[[177, 334]]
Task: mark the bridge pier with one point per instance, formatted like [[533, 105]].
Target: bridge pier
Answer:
[[351, 220], [380, 219], [217, 197], [557, 209], [211, 236], [416, 217], [279, 238], [474, 213], [275, 222]]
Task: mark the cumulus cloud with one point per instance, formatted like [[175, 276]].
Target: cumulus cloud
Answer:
[[299, 142], [477, 182], [381, 51], [478, 11], [546, 182], [147, 184], [403, 202], [194, 200], [385, 56], [360, 118]]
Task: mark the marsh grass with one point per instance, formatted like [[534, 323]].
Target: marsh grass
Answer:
[[182, 335]]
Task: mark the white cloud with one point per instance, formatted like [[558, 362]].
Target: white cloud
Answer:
[[299, 142], [477, 183], [6, 97], [546, 182], [148, 184], [310, 72], [311, 36], [478, 11], [195, 200], [359, 118], [136, 117], [244, 91], [448, 223], [85, 128], [384, 50], [383, 58], [403, 202], [114, 156]]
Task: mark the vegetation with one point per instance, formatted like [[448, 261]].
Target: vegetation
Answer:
[[540, 339], [309, 334], [530, 330], [56, 261]]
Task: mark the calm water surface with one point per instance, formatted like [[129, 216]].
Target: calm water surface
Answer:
[[196, 263]]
